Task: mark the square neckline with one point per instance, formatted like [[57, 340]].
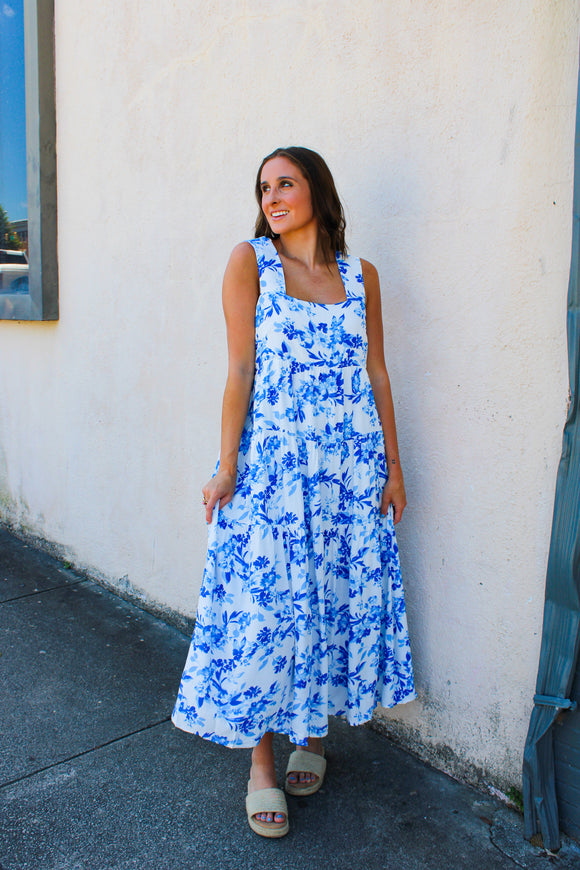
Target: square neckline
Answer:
[[308, 301]]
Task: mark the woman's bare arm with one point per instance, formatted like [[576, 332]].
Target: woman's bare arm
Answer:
[[394, 491], [239, 295]]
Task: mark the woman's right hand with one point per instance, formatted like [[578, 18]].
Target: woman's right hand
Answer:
[[220, 489]]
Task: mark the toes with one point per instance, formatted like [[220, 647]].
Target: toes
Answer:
[[302, 778], [308, 778], [270, 818]]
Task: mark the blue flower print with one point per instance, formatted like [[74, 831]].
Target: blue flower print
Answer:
[[301, 614]]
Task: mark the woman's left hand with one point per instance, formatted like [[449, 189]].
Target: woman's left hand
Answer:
[[394, 493]]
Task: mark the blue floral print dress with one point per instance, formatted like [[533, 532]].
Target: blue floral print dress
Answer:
[[301, 613]]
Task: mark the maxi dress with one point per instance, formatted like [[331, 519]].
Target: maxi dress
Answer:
[[301, 613]]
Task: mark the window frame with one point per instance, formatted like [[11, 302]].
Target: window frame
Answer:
[[41, 302]]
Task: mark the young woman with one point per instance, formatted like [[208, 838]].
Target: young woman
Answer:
[[301, 613]]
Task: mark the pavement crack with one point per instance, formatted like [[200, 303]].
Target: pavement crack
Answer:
[[502, 851], [36, 592], [77, 755]]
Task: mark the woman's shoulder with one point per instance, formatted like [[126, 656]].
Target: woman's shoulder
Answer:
[[369, 271], [242, 249], [250, 248], [370, 280], [366, 266], [242, 259]]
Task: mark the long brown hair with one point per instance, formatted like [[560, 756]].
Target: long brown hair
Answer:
[[326, 204]]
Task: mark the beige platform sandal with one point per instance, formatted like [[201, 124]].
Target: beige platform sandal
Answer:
[[303, 761], [267, 800]]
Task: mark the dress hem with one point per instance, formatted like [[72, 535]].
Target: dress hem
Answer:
[[318, 732]]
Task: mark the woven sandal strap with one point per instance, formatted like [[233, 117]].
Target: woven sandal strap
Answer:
[[266, 800], [306, 762]]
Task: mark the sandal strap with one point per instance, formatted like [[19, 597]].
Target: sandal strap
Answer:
[[302, 761], [266, 800]]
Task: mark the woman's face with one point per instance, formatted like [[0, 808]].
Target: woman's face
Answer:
[[286, 200]]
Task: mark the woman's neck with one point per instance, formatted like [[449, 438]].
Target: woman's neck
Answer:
[[303, 245]]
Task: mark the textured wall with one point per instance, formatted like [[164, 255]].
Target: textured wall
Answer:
[[449, 127]]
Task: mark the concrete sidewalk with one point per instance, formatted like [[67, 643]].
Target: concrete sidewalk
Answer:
[[93, 775]]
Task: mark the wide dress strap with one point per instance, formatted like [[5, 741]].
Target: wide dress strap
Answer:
[[271, 272]]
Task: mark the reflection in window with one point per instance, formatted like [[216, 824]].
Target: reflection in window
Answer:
[[13, 190]]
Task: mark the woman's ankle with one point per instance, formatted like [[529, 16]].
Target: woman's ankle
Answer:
[[263, 753]]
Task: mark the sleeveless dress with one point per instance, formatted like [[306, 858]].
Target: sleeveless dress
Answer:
[[301, 613]]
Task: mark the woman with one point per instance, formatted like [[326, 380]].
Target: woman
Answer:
[[301, 611]]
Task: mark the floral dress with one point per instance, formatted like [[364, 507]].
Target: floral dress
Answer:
[[301, 613]]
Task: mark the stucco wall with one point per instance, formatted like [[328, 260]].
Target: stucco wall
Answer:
[[449, 128]]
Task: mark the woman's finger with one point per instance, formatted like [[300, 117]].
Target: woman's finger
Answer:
[[398, 508], [208, 501], [211, 503], [214, 498], [217, 491]]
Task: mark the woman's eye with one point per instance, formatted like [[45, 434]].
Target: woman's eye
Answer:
[[286, 184]]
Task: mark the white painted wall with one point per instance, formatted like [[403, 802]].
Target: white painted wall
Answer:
[[449, 128]]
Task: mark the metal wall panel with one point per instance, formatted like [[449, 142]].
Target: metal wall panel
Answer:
[[567, 764]]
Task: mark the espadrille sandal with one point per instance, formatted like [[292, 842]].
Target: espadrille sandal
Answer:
[[267, 800], [303, 761]]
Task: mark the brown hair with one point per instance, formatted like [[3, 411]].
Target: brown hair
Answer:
[[326, 204]]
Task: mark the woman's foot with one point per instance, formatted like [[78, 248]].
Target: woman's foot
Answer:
[[263, 775], [305, 779]]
